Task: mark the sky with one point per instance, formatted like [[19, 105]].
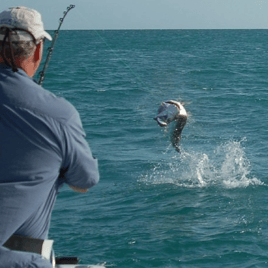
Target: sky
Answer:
[[150, 14]]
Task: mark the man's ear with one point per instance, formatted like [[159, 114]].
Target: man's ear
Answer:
[[38, 52]]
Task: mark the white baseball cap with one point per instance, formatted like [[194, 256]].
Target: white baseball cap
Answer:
[[26, 19]]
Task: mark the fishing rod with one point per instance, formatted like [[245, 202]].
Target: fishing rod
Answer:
[[51, 48]]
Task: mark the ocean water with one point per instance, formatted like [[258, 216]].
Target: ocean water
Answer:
[[206, 207]]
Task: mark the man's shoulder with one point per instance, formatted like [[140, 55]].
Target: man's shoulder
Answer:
[[55, 107], [24, 94], [46, 104]]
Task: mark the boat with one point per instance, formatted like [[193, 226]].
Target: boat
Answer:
[[45, 249], [71, 262]]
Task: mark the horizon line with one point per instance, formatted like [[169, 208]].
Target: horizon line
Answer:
[[159, 29]]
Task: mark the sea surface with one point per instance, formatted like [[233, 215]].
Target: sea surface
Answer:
[[153, 207]]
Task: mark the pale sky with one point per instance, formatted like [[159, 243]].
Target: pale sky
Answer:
[[151, 14]]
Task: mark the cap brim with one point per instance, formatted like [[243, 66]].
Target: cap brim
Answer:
[[47, 36]]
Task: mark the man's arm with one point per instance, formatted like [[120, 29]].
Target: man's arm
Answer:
[[79, 167]]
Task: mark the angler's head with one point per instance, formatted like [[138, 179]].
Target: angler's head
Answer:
[[21, 39]]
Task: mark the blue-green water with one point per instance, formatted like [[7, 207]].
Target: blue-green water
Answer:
[[206, 207]]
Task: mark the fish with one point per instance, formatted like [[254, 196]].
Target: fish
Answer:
[[172, 111]]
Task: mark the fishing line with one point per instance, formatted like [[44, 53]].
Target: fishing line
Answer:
[[51, 48], [151, 95], [143, 84]]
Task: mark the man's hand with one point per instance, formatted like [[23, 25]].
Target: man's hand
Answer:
[[78, 189]]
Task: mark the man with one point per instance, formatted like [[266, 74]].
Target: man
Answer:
[[42, 142]]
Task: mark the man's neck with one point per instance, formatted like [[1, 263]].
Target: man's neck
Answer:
[[27, 65]]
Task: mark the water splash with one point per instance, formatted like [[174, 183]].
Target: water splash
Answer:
[[227, 166], [235, 169]]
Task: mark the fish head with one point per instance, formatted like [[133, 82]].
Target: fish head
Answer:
[[168, 112]]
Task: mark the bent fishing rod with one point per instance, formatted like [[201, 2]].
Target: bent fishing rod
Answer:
[[51, 48]]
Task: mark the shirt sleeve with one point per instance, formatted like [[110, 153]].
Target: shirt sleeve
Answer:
[[12, 258], [79, 167]]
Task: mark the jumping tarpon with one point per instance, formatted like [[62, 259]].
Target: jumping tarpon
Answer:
[[168, 112]]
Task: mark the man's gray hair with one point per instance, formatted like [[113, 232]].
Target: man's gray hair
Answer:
[[21, 48]]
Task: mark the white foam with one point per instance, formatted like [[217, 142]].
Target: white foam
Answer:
[[226, 167]]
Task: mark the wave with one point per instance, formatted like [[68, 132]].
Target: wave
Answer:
[[228, 167]]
